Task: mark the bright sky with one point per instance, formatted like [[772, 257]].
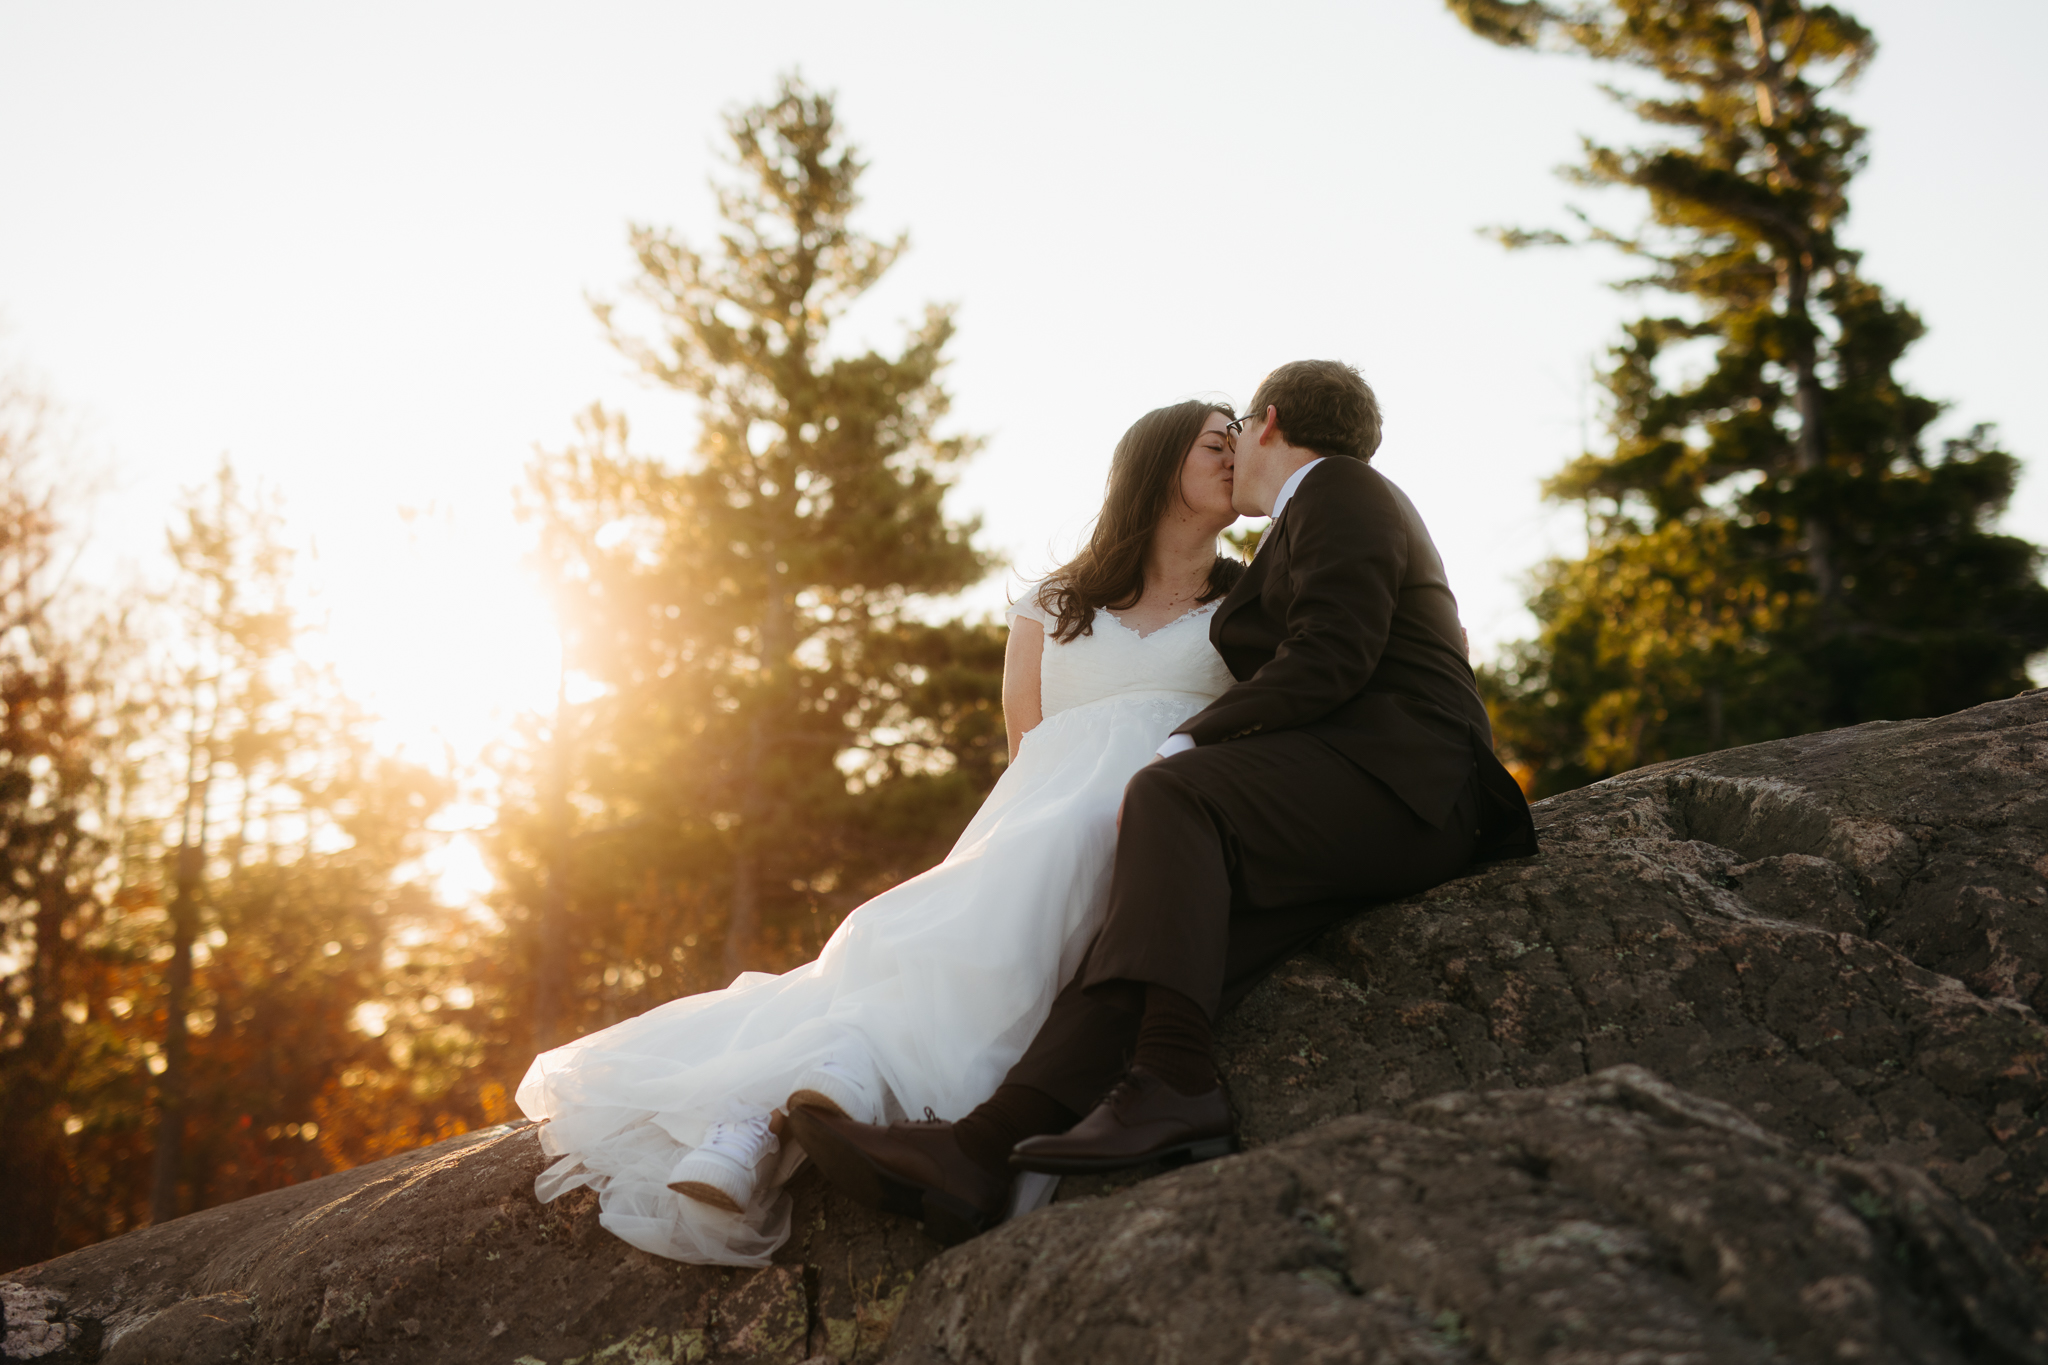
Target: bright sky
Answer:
[[350, 246]]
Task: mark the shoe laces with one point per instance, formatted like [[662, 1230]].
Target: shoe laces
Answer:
[[740, 1140], [1128, 1085]]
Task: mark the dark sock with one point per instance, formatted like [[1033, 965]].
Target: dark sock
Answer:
[[1006, 1118], [1175, 1043]]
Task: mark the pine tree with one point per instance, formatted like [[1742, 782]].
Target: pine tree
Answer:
[[54, 758], [767, 692], [277, 866], [1772, 547]]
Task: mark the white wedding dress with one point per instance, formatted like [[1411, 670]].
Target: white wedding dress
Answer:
[[943, 979]]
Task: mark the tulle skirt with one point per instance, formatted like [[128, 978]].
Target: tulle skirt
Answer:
[[942, 980]]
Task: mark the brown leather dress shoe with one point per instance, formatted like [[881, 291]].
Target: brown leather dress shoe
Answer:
[[915, 1170], [1143, 1119]]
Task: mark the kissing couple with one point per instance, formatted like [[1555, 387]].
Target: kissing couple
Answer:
[[1210, 764]]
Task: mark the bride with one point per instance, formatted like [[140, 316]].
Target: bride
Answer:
[[926, 995]]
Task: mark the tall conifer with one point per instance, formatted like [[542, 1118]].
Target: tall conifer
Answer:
[[766, 692], [1773, 547]]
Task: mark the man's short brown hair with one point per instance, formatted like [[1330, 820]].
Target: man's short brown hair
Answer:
[[1325, 406]]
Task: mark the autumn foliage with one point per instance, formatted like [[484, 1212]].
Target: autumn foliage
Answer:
[[226, 968]]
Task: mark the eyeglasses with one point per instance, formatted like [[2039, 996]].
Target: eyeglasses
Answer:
[[1235, 428]]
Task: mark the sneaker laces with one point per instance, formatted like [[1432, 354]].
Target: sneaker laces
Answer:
[[738, 1140]]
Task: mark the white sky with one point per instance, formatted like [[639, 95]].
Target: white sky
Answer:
[[349, 246]]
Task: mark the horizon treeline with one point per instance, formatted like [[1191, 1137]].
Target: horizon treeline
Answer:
[[226, 970]]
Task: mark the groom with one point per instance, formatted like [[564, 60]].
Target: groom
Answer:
[[1351, 763]]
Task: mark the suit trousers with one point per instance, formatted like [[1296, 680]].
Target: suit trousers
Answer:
[[1231, 858]]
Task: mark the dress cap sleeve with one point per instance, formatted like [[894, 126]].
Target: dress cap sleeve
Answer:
[[1027, 607]]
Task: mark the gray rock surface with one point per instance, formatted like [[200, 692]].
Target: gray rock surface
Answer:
[[1818, 963], [1842, 936], [1609, 1219], [442, 1257]]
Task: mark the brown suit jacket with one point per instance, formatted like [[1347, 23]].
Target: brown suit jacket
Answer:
[[1344, 627]]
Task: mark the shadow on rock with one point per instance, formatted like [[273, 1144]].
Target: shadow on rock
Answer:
[[1614, 1218]]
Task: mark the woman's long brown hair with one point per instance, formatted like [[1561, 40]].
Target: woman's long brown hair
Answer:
[[1144, 477]]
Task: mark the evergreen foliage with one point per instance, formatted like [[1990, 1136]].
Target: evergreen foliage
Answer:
[[53, 704], [1773, 548], [775, 735], [221, 970]]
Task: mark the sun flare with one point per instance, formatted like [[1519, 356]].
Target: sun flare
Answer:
[[436, 628]]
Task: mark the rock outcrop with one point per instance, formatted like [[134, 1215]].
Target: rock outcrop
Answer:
[[1609, 1219], [1842, 936], [441, 1256], [1746, 1065]]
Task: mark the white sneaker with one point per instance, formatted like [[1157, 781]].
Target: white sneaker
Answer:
[[720, 1171], [844, 1084]]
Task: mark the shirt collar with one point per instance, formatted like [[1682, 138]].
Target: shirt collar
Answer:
[[1293, 482]]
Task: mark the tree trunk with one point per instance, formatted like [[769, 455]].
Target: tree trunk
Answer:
[[744, 920], [44, 1036], [1809, 452], [551, 975], [191, 866], [171, 1090], [743, 926], [31, 1141]]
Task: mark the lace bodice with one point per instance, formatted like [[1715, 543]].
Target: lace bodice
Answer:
[[1114, 660]]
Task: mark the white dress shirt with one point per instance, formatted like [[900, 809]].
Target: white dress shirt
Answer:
[[1287, 492], [1180, 744]]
